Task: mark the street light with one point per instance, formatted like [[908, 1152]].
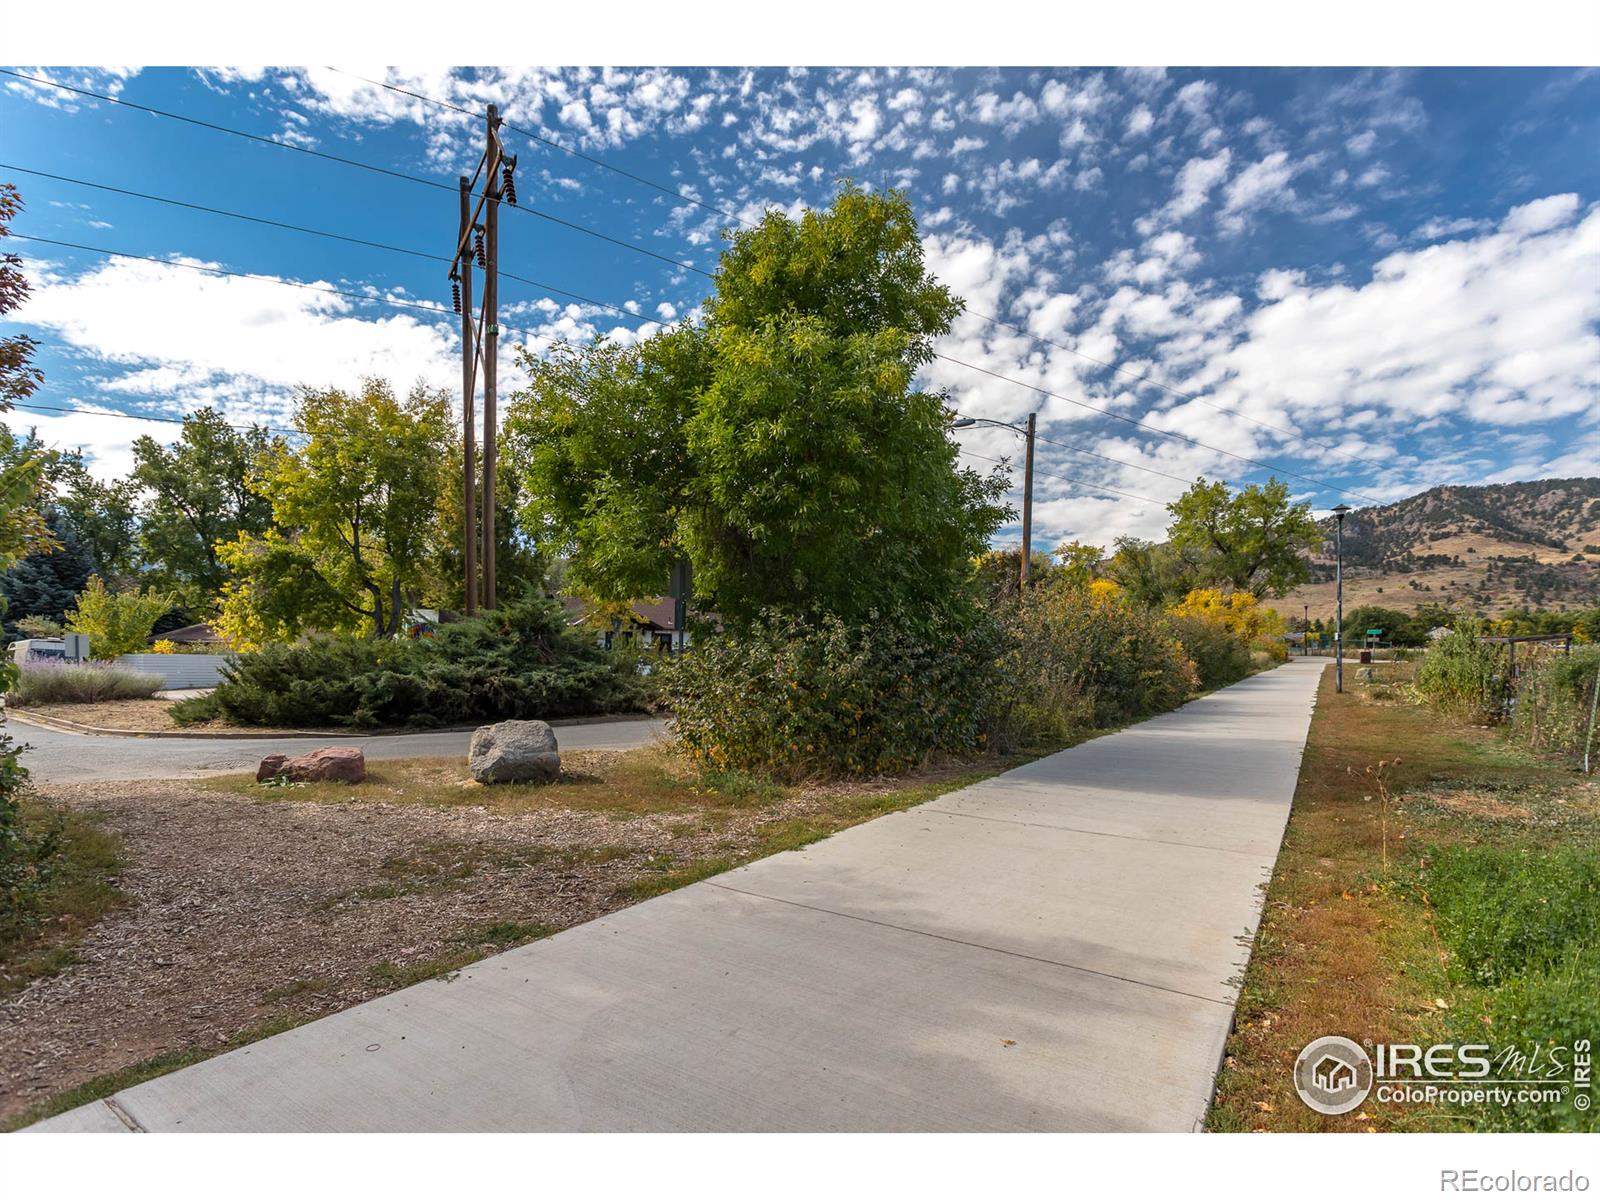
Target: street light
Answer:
[[1340, 511], [1027, 482]]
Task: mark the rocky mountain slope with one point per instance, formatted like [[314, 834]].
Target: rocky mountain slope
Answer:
[[1482, 549]]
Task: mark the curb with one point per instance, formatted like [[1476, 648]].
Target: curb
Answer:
[[62, 725]]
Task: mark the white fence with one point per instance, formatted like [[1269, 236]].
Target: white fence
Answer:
[[178, 670]]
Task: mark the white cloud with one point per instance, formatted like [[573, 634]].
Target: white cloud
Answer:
[[1539, 215], [1195, 183], [1259, 185], [1500, 329], [1140, 121]]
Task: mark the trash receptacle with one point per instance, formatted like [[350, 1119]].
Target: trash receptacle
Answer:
[[1366, 656]]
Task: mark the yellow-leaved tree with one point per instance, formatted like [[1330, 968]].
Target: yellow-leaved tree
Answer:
[[1238, 612]]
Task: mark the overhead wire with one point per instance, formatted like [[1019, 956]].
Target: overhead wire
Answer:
[[1190, 396], [1154, 428], [630, 246], [676, 193], [354, 162], [1068, 479]]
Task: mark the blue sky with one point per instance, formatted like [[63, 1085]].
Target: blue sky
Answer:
[[1373, 280]]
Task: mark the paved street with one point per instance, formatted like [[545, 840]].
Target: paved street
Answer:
[[58, 756], [1056, 948]]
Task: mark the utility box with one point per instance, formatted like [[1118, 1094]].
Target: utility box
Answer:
[[76, 646]]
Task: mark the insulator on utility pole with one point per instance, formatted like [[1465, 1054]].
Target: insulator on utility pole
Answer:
[[455, 295], [477, 247], [508, 186]]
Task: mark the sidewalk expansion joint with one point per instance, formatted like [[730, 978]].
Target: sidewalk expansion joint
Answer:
[[942, 937], [1127, 837], [123, 1115]]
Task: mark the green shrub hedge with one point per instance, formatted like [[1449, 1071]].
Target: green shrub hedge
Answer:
[[521, 662], [1219, 655], [1079, 660], [796, 696]]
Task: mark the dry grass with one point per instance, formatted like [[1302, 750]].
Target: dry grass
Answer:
[[1341, 948]]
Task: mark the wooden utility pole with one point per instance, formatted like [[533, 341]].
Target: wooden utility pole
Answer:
[[491, 344], [469, 381], [1027, 504], [480, 343]]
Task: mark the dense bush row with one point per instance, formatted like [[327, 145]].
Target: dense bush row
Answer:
[[1465, 675], [25, 855], [519, 663], [794, 696], [1082, 657]]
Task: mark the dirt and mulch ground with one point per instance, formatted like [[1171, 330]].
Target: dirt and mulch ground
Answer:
[[1347, 944], [232, 910]]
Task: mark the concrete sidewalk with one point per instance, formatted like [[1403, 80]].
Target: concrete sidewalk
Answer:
[[1056, 948]]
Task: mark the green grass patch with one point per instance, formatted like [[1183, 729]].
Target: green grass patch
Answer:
[[1482, 928], [75, 891]]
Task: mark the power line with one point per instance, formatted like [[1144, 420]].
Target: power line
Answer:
[[354, 162], [1300, 437], [435, 310], [92, 412], [554, 145], [1189, 396], [1039, 437], [322, 233], [1152, 428], [633, 246], [1069, 479]]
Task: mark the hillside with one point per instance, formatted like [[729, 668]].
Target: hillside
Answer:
[[1485, 549]]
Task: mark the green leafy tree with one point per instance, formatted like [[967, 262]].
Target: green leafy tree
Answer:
[[22, 462], [354, 512], [117, 622], [199, 496], [1254, 540], [101, 516], [1080, 564], [999, 572], [1153, 574], [782, 449]]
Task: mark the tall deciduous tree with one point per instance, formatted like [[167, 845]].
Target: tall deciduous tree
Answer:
[[354, 513], [22, 464], [102, 517], [782, 449], [199, 495], [1255, 540]]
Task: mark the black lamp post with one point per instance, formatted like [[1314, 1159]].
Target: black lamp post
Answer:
[[1027, 483], [1340, 511]]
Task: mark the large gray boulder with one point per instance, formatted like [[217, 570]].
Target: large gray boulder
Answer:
[[514, 752]]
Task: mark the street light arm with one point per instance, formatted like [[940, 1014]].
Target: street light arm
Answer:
[[969, 422]]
